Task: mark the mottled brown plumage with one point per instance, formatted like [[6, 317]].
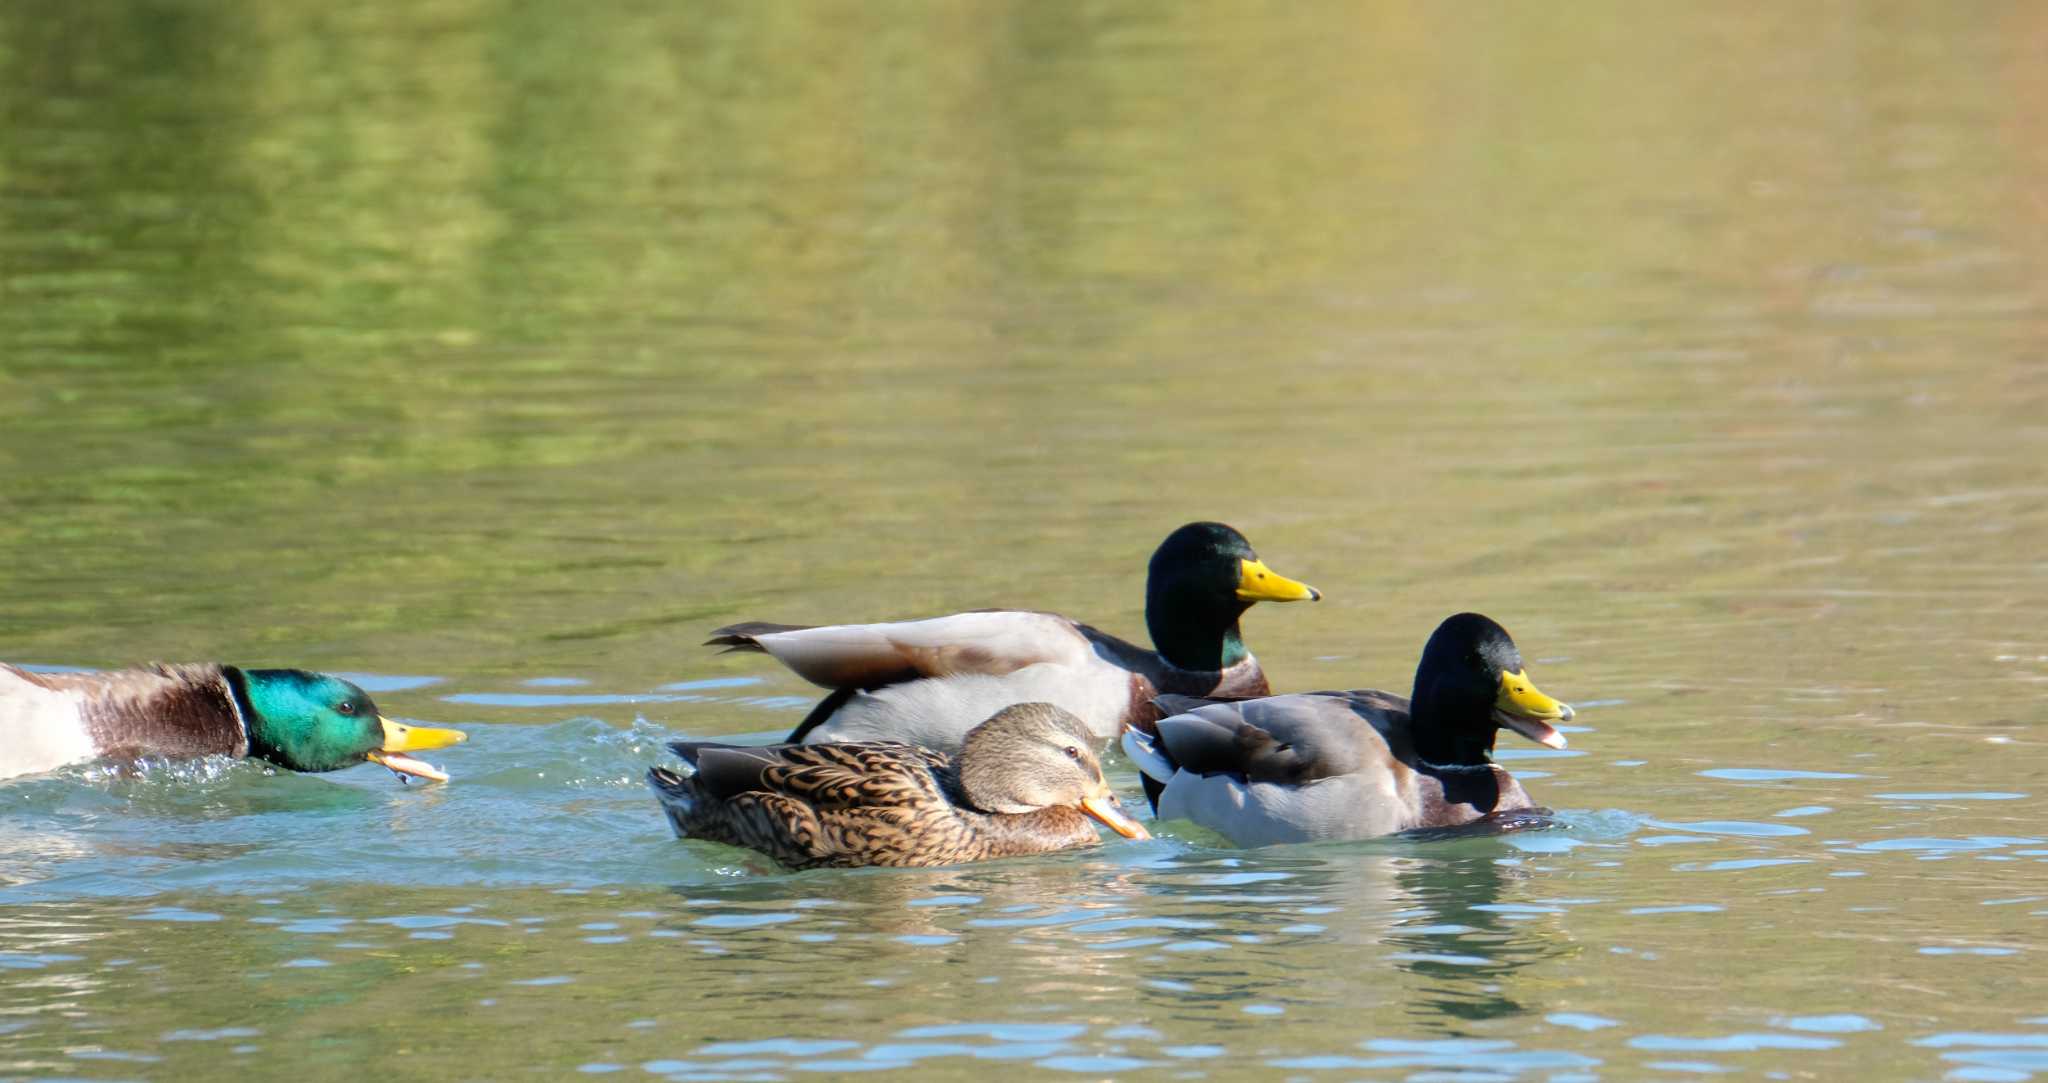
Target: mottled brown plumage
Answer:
[[1026, 781]]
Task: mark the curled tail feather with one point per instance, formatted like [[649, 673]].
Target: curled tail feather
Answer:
[[824, 710], [675, 792], [743, 636]]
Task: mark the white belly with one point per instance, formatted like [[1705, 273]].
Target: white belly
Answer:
[[40, 729], [1266, 813], [936, 713]]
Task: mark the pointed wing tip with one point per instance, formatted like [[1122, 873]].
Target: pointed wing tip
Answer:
[[1147, 755]]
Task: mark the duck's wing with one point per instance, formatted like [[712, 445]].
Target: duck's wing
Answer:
[[1286, 739], [823, 777], [990, 642], [1279, 769], [23, 682], [1377, 704]]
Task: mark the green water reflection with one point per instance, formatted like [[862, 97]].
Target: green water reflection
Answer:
[[493, 340]]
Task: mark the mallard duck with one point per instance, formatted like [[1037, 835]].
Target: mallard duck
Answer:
[[926, 681], [289, 717], [1026, 781], [1348, 765]]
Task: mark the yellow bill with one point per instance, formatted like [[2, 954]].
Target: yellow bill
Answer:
[[1258, 583], [1522, 707], [1111, 814], [400, 739]]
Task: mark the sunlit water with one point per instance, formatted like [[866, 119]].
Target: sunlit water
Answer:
[[495, 353]]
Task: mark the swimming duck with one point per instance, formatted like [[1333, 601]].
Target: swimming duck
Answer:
[[1026, 781], [289, 717], [1348, 765], [926, 681]]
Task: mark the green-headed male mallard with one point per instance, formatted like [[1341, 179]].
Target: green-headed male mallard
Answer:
[[1348, 765], [1026, 781], [289, 717], [926, 681]]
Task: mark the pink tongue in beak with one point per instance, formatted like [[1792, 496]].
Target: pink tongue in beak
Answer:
[[403, 765], [1535, 729]]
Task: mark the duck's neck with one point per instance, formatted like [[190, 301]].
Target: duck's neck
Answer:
[[1195, 633], [1451, 748], [1446, 731], [1036, 832]]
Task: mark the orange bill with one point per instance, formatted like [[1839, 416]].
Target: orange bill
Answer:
[[1112, 815]]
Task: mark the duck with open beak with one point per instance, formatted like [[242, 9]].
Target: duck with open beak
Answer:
[[1522, 707], [400, 739]]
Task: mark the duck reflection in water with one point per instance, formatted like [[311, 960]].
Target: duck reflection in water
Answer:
[[1461, 940]]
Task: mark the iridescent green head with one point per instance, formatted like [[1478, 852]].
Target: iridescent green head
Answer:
[[1201, 580], [308, 721]]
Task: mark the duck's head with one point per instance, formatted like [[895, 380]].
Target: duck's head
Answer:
[[1201, 580], [314, 722], [1031, 756], [1470, 685]]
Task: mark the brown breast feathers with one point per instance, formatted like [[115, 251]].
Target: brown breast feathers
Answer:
[[164, 710]]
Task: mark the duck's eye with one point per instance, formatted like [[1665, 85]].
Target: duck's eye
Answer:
[[345, 707], [1072, 752]]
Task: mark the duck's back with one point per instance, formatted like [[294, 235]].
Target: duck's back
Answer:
[[928, 682], [52, 719]]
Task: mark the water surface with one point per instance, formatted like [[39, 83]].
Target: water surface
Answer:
[[496, 352]]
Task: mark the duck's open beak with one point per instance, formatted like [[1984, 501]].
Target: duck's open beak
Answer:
[[1258, 583], [1111, 813], [1523, 707], [400, 738]]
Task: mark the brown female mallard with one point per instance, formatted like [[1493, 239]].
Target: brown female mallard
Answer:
[[1026, 781]]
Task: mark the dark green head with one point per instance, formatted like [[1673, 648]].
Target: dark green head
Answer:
[[1201, 580], [308, 721], [1468, 686]]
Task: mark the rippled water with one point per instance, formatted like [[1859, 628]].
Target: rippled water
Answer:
[[493, 353]]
